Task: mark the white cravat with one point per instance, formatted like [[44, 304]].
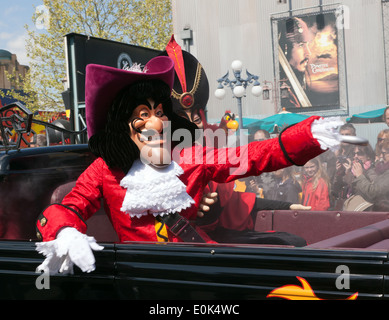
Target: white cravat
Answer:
[[156, 191]]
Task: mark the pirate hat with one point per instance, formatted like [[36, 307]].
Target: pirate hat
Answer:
[[103, 83], [191, 87]]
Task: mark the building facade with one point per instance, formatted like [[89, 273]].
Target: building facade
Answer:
[[348, 65], [10, 65]]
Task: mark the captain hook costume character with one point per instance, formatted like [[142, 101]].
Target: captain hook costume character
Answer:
[[232, 219], [144, 181]]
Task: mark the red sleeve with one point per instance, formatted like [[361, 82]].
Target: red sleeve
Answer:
[[80, 204], [235, 207], [228, 164], [236, 214]]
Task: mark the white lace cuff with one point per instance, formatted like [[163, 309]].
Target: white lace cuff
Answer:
[[326, 131], [69, 248]]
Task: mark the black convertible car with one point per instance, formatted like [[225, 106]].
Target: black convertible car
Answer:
[[346, 257]]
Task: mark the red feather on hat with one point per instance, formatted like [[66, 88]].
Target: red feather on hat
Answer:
[[174, 51]]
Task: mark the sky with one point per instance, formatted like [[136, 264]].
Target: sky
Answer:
[[14, 15]]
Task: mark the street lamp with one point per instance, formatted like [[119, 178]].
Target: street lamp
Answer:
[[266, 90], [284, 89], [238, 86]]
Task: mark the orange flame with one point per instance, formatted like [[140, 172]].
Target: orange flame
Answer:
[[292, 292]]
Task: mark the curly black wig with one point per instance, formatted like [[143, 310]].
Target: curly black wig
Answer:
[[113, 143]]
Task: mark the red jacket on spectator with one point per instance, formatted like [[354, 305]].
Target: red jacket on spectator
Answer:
[[317, 198]]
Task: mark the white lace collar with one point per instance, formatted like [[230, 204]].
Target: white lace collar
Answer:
[[156, 191]]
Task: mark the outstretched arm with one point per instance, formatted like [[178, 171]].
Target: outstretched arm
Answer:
[[295, 146]]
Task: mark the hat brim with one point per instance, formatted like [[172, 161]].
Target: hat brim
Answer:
[[356, 203], [103, 83]]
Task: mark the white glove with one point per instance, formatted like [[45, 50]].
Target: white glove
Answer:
[[69, 248], [326, 132]]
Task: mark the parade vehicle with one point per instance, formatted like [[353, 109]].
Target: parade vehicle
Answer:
[[347, 256]]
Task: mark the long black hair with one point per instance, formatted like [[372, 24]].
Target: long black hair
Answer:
[[113, 143]]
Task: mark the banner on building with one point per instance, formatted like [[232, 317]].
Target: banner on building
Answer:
[[308, 62], [82, 50]]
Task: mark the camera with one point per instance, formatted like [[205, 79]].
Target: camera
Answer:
[[342, 159], [360, 162]]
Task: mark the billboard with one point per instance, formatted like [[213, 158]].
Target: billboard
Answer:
[[83, 50], [308, 58]]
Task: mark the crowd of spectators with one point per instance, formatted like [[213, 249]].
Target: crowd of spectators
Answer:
[[353, 178]]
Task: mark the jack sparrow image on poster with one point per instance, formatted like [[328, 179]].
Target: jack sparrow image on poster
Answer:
[[308, 58]]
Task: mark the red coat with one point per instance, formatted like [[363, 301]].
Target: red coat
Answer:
[[317, 198], [99, 181], [237, 207]]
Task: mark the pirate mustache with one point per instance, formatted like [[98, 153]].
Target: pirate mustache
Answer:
[[150, 135], [304, 61], [146, 134]]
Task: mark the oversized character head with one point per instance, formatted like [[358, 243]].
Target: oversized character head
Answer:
[[129, 113], [190, 92]]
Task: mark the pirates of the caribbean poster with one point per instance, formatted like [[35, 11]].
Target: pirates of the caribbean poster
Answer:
[[308, 62]]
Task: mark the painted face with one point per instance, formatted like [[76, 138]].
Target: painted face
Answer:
[[147, 125], [195, 118]]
